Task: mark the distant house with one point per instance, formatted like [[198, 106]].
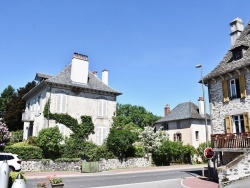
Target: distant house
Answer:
[[229, 96], [186, 123], [74, 91]]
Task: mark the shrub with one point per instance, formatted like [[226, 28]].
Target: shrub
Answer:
[[25, 152], [120, 142], [49, 141], [201, 149], [16, 136]]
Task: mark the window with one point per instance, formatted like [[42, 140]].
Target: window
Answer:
[[234, 88], [165, 126], [102, 135], [61, 103], [197, 135], [237, 123], [237, 54], [178, 125], [102, 108], [177, 137], [39, 100]]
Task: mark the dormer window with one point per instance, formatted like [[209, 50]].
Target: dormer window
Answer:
[[237, 55], [239, 52]]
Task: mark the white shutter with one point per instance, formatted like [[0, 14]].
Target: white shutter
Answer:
[[58, 103], [64, 104], [102, 108], [99, 107], [61, 103], [99, 135]]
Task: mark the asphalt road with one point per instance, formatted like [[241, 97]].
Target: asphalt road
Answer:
[[171, 178]]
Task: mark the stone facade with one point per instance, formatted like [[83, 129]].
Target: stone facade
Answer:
[[237, 169], [219, 109], [104, 165]]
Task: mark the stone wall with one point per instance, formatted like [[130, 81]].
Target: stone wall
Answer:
[[109, 164], [237, 169]]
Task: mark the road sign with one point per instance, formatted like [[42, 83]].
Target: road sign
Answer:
[[208, 153]]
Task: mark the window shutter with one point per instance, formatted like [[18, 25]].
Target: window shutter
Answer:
[[104, 108], [64, 104], [246, 121], [225, 90], [58, 103], [100, 108], [242, 86], [228, 121]]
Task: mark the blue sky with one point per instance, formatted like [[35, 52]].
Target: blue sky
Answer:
[[150, 47]]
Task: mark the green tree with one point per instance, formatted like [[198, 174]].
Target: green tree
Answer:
[[49, 141], [6, 97], [138, 115], [120, 142], [13, 112]]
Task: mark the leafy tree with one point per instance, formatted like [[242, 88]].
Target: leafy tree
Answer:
[[120, 142], [49, 140], [126, 113], [4, 135], [150, 140], [6, 97], [13, 112], [201, 149]]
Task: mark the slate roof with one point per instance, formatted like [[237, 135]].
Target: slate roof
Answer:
[[95, 85], [187, 110], [227, 64]]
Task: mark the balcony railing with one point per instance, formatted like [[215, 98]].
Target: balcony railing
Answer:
[[241, 140], [28, 116]]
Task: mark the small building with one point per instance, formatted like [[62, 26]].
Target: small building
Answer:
[[185, 123], [75, 91]]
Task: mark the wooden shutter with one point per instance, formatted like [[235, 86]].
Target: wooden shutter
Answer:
[[242, 86], [228, 121], [246, 121], [100, 108], [225, 90]]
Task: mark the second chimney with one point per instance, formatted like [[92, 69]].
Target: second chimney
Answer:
[[167, 110], [201, 106], [105, 75]]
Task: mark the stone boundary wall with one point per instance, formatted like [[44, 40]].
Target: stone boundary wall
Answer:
[[235, 170], [109, 164]]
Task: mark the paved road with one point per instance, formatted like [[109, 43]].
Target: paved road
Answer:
[[172, 178]]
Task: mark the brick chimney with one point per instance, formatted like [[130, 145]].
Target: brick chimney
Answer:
[[95, 73], [79, 69], [201, 106], [167, 110], [237, 27]]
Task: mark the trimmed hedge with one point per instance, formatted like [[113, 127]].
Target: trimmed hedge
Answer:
[[25, 152]]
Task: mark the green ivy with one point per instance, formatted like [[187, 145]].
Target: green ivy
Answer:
[[65, 119]]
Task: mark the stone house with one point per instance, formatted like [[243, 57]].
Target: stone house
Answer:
[[74, 91], [229, 97], [186, 123]]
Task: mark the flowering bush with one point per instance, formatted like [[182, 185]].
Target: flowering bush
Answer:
[[4, 134], [41, 184], [54, 179]]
